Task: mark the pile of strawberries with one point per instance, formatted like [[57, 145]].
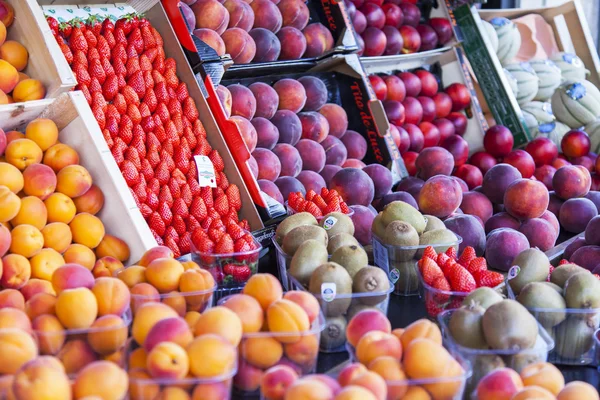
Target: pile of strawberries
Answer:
[[150, 124], [318, 204]]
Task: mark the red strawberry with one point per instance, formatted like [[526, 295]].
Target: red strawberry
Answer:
[[228, 269], [310, 194], [157, 224], [448, 266], [82, 75], [432, 307], [130, 173], [192, 223], [430, 253], [488, 278], [146, 211], [344, 207], [154, 185], [216, 233], [198, 209], [172, 244], [53, 24], [216, 160], [99, 115], [174, 188], [461, 280], [135, 39], [563, 262], [132, 156], [241, 273], [79, 57], [477, 264], [95, 86], [184, 244], [136, 81], [451, 252], [91, 40], [162, 173], [165, 213], [442, 284], [430, 271], [182, 92], [131, 96], [189, 109], [467, 256], [245, 225], [103, 48], [320, 202], [180, 208], [107, 26], [206, 194], [313, 209], [78, 41], [224, 245], [148, 38], [146, 169], [442, 258], [120, 103], [235, 232], [550, 270], [110, 88], [222, 205]]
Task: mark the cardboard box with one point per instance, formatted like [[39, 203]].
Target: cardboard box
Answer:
[[78, 129], [451, 68]]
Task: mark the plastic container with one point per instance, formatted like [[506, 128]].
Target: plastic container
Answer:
[[283, 264], [401, 386], [483, 361], [182, 302], [291, 211], [597, 348], [399, 263], [300, 351]]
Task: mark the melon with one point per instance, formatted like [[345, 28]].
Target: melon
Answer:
[[489, 31], [512, 82], [527, 81], [558, 132], [550, 78], [576, 103], [539, 118], [571, 66], [593, 131], [509, 39]]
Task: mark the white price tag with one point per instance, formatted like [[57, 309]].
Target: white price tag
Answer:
[[513, 272], [329, 223], [381, 256], [394, 275], [206, 171], [328, 292]]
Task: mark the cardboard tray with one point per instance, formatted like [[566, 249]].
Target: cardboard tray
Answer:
[[451, 68], [78, 129]]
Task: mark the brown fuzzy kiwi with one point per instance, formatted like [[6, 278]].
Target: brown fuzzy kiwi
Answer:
[[507, 325], [465, 327], [371, 280]]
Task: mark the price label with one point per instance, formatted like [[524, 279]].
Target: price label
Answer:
[[328, 291], [206, 171], [381, 256]]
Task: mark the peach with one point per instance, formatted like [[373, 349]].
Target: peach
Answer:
[[141, 385], [76, 308], [133, 275], [265, 288], [9, 204], [112, 295], [293, 43], [533, 393], [500, 384], [87, 229], [23, 152], [292, 95], [364, 322], [305, 351], [174, 330], [196, 281], [91, 201], [71, 276], [106, 266], [11, 177], [147, 315], [349, 372], [211, 14], [526, 199], [266, 15], [14, 318], [43, 132], [103, 379], [307, 301], [59, 156], [544, 375], [57, 236], [16, 271], [44, 263], [40, 304], [374, 344], [176, 301], [268, 46], [187, 265], [50, 334], [11, 298], [167, 360], [275, 382], [73, 181], [578, 391], [221, 321], [42, 379], [35, 286], [112, 246], [211, 356], [569, 181], [10, 76], [286, 316], [261, 351], [16, 348], [355, 392], [312, 389], [75, 355], [14, 135], [372, 382], [32, 212], [390, 370], [142, 293], [239, 44], [248, 377], [248, 310], [318, 40], [212, 39], [80, 254], [243, 101], [60, 208], [421, 329], [155, 253], [2, 33], [14, 53]]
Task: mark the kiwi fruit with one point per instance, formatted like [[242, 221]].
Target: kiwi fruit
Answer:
[[352, 257], [301, 234], [309, 256], [534, 265], [561, 274], [574, 337], [554, 286], [408, 279], [332, 272], [371, 280], [582, 291], [484, 364], [465, 327], [336, 222], [483, 297], [401, 211], [539, 295], [292, 222], [334, 334], [439, 239], [402, 234], [519, 361], [356, 307], [507, 325], [339, 240], [433, 223], [378, 227]]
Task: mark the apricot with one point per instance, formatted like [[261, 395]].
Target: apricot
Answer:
[[2, 33], [155, 253], [248, 377], [59, 156], [14, 135], [421, 329], [22, 152], [164, 274], [5, 239], [11, 298], [35, 286], [9, 204], [248, 310], [194, 281], [43, 132], [112, 246], [416, 393], [390, 370], [57, 236], [137, 359], [6, 382], [190, 265], [366, 321], [40, 304], [375, 344], [578, 391], [221, 321], [192, 317], [32, 212], [60, 208], [112, 295], [11, 177], [106, 266], [261, 351], [73, 181], [174, 330], [87, 229], [5, 99], [16, 348], [132, 275], [23, 76], [10, 76], [50, 334], [176, 301], [211, 356], [167, 360], [310, 389], [42, 379], [307, 301], [146, 316], [75, 355], [71, 276], [80, 254], [284, 316], [544, 375], [14, 53], [14, 318], [44, 263], [101, 378], [142, 293], [76, 308], [533, 393], [28, 90], [355, 392], [304, 352], [211, 391], [265, 288], [16, 271], [173, 393], [141, 385]]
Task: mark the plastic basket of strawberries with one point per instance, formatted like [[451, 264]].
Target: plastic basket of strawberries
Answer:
[[447, 279], [318, 204], [231, 254]]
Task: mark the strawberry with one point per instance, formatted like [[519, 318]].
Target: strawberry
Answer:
[[245, 225], [216, 233], [99, 115], [146, 169], [477, 264], [159, 240], [429, 252], [91, 40], [224, 245], [344, 207], [331, 195], [235, 232], [154, 185], [320, 202], [179, 225], [110, 88], [448, 267], [441, 284], [135, 39], [153, 157], [133, 112], [99, 101], [222, 205], [313, 209], [309, 195], [148, 124], [184, 244], [488, 278], [95, 86], [135, 198], [228, 269], [78, 40], [550, 271], [563, 262], [179, 208], [53, 24], [157, 224], [165, 213], [167, 159], [189, 109], [133, 157], [136, 81], [120, 103], [93, 24], [103, 48], [461, 280], [467, 256], [107, 26], [148, 38], [198, 129], [131, 96], [79, 57], [151, 199], [207, 196], [174, 188], [198, 209], [430, 271], [82, 75], [148, 80], [162, 173], [117, 154], [433, 307], [442, 258], [192, 223], [130, 173], [172, 244], [126, 129], [157, 38], [66, 29], [124, 24], [451, 252], [64, 48], [223, 179], [241, 273], [146, 211], [332, 207]]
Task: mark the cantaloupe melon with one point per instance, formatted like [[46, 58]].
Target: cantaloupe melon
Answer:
[[593, 131], [550, 78], [539, 118], [512, 82], [509, 39], [491, 34], [527, 81], [576, 103], [571, 66], [559, 131]]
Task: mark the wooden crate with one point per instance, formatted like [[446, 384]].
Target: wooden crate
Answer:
[[78, 129]]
